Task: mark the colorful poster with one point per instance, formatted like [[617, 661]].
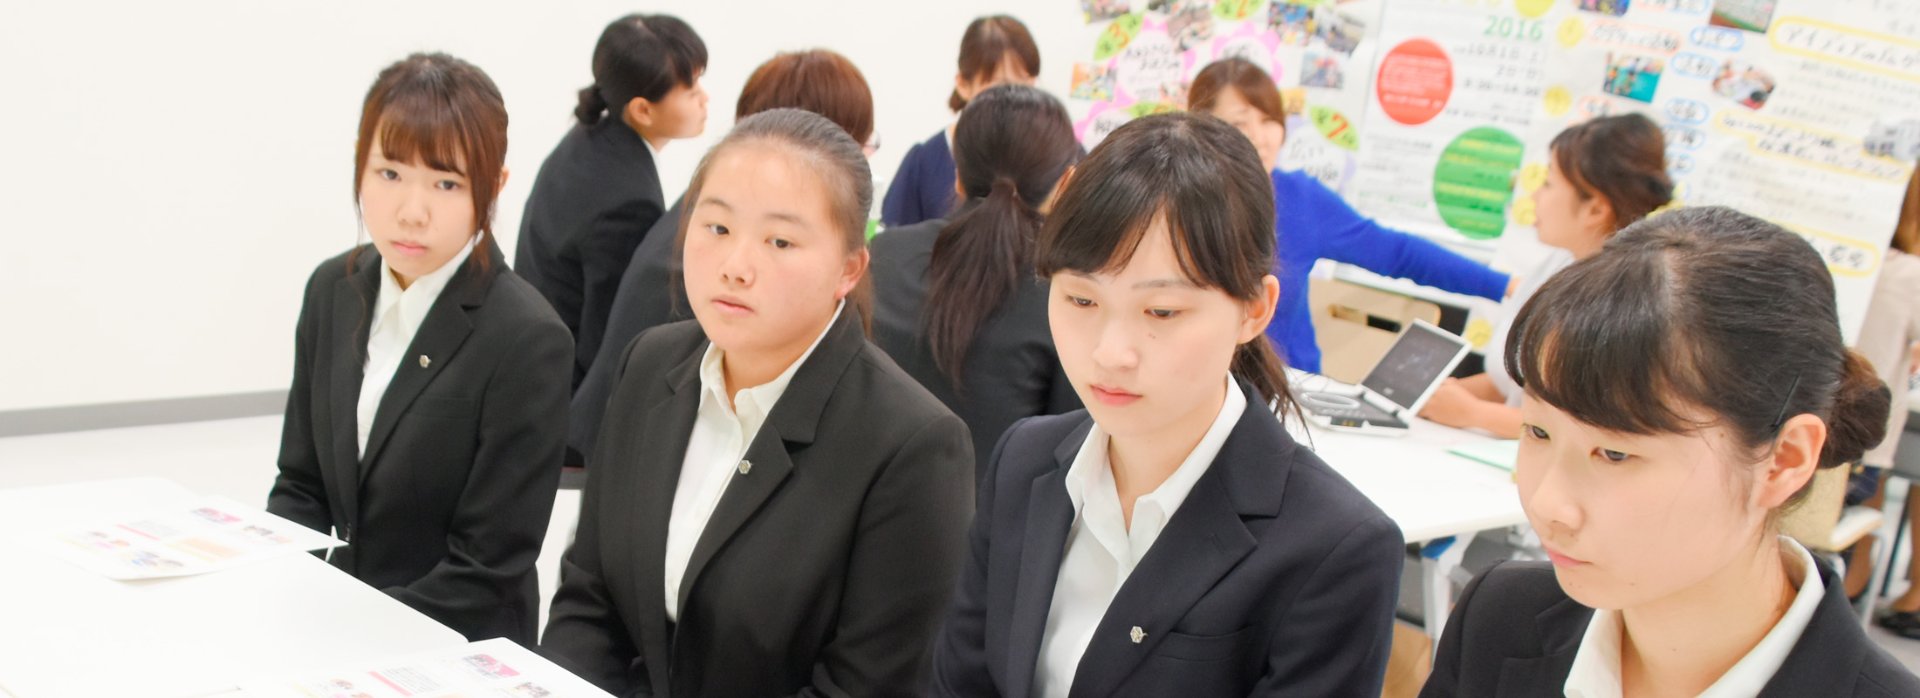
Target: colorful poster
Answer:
[[1795, 111], [496, 667]]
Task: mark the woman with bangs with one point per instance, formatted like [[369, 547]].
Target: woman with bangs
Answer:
[[1171, 538], [995, 50], [817, 80], [427, 416], [1682, 385]]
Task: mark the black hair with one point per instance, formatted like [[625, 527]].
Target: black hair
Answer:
[[640, 57]]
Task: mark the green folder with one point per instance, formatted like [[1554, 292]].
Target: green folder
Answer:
[[1497, 453]]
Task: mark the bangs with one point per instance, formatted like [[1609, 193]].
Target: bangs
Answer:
[[1601, 342], [1107, 245], [421, 127]]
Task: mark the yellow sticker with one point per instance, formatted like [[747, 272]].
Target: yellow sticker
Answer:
[[1571, 32], [1479, 332], [1523, 212], [1532, 177], [1557, 101], [1532, 9]]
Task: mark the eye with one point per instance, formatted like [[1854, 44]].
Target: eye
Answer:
[[387, 174], [1536, 433], [1162, 313], [1614, 456], [781, 243], [447, 185], [717, 229], [1079, 302]]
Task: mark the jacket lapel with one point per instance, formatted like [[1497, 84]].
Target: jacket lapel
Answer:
[[1049, 519], [789, 427], [1204, 540], [661, 449], [1828, 658], [1563, 625], [352, 298], [442, 332]]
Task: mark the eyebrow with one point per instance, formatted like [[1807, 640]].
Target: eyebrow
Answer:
[[1143, 285], [782, 216]]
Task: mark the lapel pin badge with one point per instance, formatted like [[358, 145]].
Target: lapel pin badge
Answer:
[[424, 361], [1137, 635], [745, 466]]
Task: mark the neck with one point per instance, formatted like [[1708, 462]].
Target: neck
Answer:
[[749, 368], [1142, 462], [1589, 245], [1683, 643], [658, 142]]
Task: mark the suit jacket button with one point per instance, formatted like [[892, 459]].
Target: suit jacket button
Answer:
[[745, 466], [1137, 635]]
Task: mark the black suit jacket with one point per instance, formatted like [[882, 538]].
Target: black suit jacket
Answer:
[[595, 199], [650, 295], [1513, 632], [1274, 577], [825, 567], [1012, 371], [447, 510]]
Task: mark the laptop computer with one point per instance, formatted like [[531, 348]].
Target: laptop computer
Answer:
[[1396, 388]]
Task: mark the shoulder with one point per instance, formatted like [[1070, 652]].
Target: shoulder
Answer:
[[883, 392], [672, 341], [1517, 609], [511, 296], [340, 267], [1029, 445], [907, 240], [1901, 269]]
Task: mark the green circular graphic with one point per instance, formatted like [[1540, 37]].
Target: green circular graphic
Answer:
[[1473, 183]]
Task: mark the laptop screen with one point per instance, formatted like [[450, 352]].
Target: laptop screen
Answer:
[[1418, 359]]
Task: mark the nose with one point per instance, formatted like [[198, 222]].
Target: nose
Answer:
[[1553, 500], [1114, 350], [413, 212], [736, 263]]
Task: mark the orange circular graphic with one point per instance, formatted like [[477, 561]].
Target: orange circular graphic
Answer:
[[1415, 80]]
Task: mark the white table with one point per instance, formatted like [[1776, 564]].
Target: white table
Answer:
[[67, 632], [1430, 493]]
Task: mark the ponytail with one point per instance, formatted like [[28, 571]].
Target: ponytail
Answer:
[[592, 105], [1257, 364], [1010, 148]]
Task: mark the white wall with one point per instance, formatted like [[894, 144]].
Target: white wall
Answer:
[[170, 173]]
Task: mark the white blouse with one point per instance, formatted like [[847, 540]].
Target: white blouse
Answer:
[[397, 314]]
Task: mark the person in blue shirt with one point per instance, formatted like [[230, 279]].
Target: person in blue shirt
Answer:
[[996, 49], [1314, 223]]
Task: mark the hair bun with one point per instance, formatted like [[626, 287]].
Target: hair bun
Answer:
[[1859, 418], [592, 105]]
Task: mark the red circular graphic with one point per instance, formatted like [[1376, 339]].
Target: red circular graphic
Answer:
[[1415, 80]]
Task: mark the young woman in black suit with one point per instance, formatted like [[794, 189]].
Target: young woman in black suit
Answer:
[[1681, 386], [598, 193], [428, 409], [1171, 539], [817, 80], [957, 303], [774, 507]]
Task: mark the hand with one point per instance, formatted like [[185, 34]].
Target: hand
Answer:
[[1452, 404]]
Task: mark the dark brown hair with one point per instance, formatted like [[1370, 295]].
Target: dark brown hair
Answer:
[[1622, 159], [640, 57], [1206, 181], [829, 151], [1011, 146], [817, 80], [434, 109], [990, 42], [1245, 79], [1699, 310]]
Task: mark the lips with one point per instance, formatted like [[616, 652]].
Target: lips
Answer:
[[408, 248], [1113, 396], [731, 305], [1564, 561]]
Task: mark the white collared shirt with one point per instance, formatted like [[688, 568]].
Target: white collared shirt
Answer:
[[1102, 549], [721, 435], [1596, 665], [397, 314]]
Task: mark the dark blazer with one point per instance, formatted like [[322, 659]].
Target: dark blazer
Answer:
[[828, 562], [922, 187], [595, 199], [447, 510], [1520, 639], [650, 295], [1011, 372], [1275, 576]]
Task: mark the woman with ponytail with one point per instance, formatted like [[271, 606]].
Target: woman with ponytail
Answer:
[[957, 303], [1682, 385], [599, 193], [1171, 539]]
